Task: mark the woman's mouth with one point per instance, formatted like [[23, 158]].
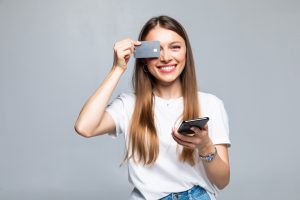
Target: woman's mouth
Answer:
[[166, 68]]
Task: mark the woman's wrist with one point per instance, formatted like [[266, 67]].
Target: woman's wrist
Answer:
[[209, 157], [117, 68], [209, 148]]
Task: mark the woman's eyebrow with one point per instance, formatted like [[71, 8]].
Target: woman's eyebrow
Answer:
[[175, 42], [171, 43]]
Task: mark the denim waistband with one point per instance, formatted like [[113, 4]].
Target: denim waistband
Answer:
[[195, 193]]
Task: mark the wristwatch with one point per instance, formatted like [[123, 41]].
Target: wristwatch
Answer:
[[210, 157]]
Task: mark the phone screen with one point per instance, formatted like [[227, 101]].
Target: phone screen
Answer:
[[185, 126]]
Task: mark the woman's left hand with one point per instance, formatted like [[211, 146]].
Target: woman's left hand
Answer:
[[200, 140], [218, 171]]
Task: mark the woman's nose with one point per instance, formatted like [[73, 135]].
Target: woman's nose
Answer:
[[165, 56]]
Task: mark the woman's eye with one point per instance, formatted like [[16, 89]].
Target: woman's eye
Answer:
[[175, 47]]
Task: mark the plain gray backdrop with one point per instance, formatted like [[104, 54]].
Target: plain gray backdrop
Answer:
[[54, 54]]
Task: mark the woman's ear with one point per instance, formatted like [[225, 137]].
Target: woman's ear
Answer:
[[143, 61]]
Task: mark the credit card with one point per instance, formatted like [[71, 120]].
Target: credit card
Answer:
[[147, 49]]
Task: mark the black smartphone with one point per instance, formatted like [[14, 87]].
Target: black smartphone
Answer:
[[185, 126]]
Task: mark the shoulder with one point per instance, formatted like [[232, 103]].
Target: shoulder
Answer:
[[127, 98], [122, 102], [211, 105], [208, 98]]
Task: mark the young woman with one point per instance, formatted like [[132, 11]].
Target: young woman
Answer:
[[162, 163]]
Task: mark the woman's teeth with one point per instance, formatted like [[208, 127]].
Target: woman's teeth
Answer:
[[168, 68]]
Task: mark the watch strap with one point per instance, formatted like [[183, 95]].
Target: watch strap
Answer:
[[209, 157]]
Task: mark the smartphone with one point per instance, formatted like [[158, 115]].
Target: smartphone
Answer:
[[185, 126], [147, 49]]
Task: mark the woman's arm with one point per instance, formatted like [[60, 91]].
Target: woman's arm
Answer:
[[217, 170], [93, 120]]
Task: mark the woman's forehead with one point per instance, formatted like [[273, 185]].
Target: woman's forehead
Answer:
[[165, 36]]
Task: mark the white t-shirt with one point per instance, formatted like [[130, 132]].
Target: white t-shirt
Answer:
[[168, 174]]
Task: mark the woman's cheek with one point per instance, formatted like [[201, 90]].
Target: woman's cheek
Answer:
[[180, 56]]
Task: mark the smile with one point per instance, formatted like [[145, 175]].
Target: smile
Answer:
[[167, 68]]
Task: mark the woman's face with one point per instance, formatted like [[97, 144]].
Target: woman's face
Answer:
[[168, 67]]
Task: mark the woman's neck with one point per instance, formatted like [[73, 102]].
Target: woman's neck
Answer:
[[170, 91]]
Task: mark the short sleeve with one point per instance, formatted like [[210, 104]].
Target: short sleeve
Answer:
[[219, 125], [121, 109], [116, 110]]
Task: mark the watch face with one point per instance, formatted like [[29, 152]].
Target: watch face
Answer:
[[209, 157]]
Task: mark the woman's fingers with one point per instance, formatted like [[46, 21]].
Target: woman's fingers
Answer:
[[123, 51], [198, 139], [126, 44], [182, 142], [199, 132]]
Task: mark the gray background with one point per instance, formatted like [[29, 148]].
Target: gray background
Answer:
[[53, 55]]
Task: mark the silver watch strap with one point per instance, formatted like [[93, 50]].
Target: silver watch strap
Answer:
[[210, 157]]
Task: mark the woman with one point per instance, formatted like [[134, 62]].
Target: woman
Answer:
[[163, 164]]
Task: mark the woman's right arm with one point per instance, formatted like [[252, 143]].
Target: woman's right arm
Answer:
[[93, 120]]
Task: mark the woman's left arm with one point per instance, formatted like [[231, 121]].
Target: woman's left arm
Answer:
[[218, 169]]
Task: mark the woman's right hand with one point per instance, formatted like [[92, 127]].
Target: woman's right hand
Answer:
[[123, 51]]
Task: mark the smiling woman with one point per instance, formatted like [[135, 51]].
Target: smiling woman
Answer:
[[162, 163]]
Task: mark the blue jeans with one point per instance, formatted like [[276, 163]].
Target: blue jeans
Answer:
[[195, 193]]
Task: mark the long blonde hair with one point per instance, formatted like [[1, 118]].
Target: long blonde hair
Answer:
[[143, 146]]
